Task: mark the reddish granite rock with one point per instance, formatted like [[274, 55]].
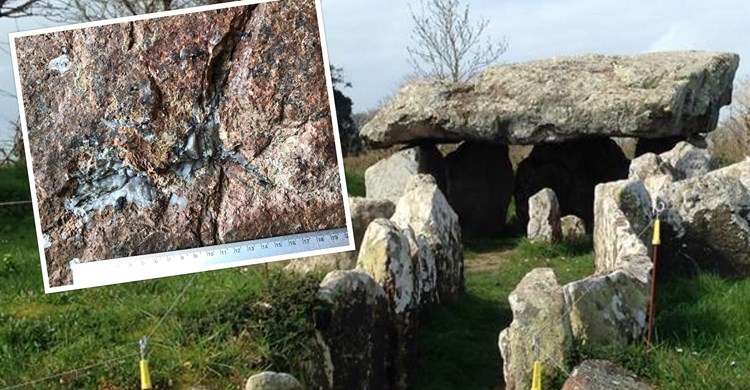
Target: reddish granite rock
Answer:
[[178, 132]]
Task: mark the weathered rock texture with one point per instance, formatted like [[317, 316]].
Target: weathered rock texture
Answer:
[[479, 187], [353, 334], [180, 132], [603, 375], [707, 222], [363, 211], [572, 170], [573, 228], [424, 209], [269, 380], [544, 217], [387, 178], [651, 95], [540, 329]]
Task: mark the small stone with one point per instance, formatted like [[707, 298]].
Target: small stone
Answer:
[[544, 217], [603, 375], [573, 228], [269, 380]]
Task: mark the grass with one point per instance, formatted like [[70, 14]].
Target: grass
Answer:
[[702, 336], [228, 325], [459, 345]]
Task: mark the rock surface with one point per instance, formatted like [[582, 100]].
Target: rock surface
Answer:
[[479, 187], [180, 132], [707, 222], [544, 217], [425, 210], [573, 228], [651, 95], [363, 211], [688, 161], [269, 380], [610, 309], [572, 170], [352, 333], [540, 328], [388, 177], [603, 375], [622, 217]]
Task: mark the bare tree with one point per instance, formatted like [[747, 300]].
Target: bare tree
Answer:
[[448, 45], [91, 10], [16, 8], [731, 140]]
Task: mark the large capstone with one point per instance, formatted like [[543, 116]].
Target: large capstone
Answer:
[[540, 328], [479, 187], [425, 210], [652, 95], [571, 170], [387, 178]]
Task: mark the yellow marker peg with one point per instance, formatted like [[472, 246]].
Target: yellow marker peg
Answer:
[[145, 373], [657, 232], [536, 376], [145, 376]]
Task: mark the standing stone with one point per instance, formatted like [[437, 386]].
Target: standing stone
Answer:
[[688, 160], [479, 187], [707, 223], [363, 211], [424, 208], [603, 375], [387, 178], [572, 170], [610, 309], [385, 255], [539, 319], [621, 223], [269, 380], [352, 334], [573, 228], [544, 217]]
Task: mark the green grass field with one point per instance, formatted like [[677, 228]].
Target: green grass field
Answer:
[[235, 322]]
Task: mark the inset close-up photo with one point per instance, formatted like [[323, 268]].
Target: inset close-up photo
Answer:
[[180, 132]]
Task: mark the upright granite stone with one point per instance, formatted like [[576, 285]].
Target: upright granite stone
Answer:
[[610, 309], [425, 210], [540, 329], [544, 217], [363, 211], [352, 334], [707, 223], [573, 228], [387, 178], [688, 160], [479, 187], [652, 95], [622, 217], [603, 375], [385, 255], [572, 170]]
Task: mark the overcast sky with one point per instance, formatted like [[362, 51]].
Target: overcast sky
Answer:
[[368, 38]]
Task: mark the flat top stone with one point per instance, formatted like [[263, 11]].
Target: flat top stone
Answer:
[[649, 95]]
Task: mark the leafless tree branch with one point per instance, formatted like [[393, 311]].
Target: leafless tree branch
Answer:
[[448, 45]]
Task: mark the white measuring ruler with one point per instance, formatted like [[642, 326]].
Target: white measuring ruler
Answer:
[[129, 269]]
